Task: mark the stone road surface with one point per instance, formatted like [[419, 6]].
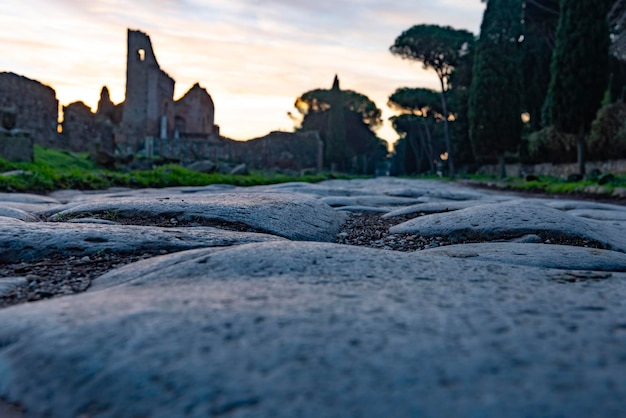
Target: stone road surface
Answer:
[[256, 312]]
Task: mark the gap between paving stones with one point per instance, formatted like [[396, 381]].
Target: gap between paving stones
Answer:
[[61, 275]]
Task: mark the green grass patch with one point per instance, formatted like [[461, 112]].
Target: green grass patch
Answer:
[[555, 185], [57, 170]]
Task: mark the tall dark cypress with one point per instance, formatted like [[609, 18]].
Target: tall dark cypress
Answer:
[[335, 147], [579, 71], [495, 99]]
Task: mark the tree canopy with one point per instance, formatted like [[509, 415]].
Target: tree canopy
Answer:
[[436, 47], [420, 112], [439, 48], [496, 91], [418, 101], [579, 67], [319, 100], [345, 121]]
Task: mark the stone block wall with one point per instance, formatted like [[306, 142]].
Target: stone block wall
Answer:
[[149, 90], [16, 146], [281, 150], [36, 107], [195, 112], [556, 170], [85, 131]]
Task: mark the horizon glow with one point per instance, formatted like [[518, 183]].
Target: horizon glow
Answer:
[[253, 58]]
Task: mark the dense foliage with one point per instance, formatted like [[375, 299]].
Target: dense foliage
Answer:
[[419, 127], [559, 72], [439, 48], [345, 120], [495, 99], [579, 68]]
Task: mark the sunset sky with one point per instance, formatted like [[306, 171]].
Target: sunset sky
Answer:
[[253, 56]]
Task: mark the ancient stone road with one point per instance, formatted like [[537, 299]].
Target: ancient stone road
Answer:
[[255, 312]]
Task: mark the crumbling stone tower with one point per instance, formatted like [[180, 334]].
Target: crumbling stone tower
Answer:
[[149, 106]]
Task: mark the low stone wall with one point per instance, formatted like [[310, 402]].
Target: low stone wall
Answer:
[[556, 170], [16, 146], [35, 105]]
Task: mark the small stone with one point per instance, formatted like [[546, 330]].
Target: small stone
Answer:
[[162, 251], [85, 259]]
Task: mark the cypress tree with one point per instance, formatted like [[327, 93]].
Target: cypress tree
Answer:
[[495, 99], [335, 147], [579, 71]]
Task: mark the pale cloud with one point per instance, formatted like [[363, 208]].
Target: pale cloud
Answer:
[[254, 56]]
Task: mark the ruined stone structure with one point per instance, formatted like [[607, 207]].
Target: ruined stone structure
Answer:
[[85, 131], [15, 144], [149, 122], [152, 122], [281, 150], [195, 114], [149, 104], [35, 104], [107, 109]]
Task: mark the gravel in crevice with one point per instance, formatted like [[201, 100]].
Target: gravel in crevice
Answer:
[[371, 230], [62, 275], [59, 275]]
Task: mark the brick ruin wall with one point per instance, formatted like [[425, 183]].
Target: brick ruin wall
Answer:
[[280, 150], [195, 112], [86, 131], [149, 90], [36, 107]]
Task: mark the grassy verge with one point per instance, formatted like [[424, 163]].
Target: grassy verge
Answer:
[[604, 186], [56, 170]]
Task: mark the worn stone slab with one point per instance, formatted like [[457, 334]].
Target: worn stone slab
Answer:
[[368, 200], [364, 209], [320, 330], [435, 207], [27, 198], [536, 255], [293, 216], [408, 188], [22, 215], [579, 204], [5, 219], [600, 214], [510, 220], [21, 241], [7, 284]]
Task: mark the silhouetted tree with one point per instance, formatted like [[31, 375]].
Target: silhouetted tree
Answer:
[[438, 48], [495, 100], [540, 20], [579, 72], [357, 148], [420, 112]]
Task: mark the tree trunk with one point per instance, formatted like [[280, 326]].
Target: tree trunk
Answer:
[[416, 153], [581, 152], [446, 129], [429, 147], [502, 165]]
